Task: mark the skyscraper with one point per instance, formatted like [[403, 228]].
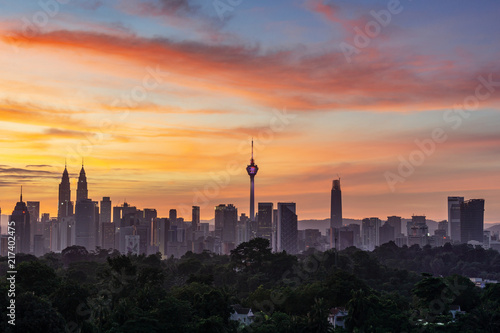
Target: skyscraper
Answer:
[[65, 207], [85, 233], [21, 217], [395, 222], [34, 210], [417, 231], [454, 204], [195, 218], [81, 191], [265, 220], [336, 205], [252, 169], [472, 220], [286, 231], [226, 219], [105, 215], [371, 233], [172, 216]]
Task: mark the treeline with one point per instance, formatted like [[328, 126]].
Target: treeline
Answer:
[[388, 290]]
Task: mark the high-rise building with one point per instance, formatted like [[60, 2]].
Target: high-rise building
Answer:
[[252, 170], [82, 191], [34, 210], [418, 231], [454, 204], [85, 233], [226, 219], [67, 231], [195, 218], [336, 205], [172, 216], [370, 230], [150, 214], [21, 217], [219, 219], [265, 220], [356, 230], [395, 222], [287, 229], [386, 233], [65, 206], [117, 215], [105, 215], [472, 220]]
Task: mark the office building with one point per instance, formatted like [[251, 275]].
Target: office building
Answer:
[[395, 222], [472, 220], [286, 231], [265, 220], [370, 230], [85, 227], [454, 204], [105, 214]]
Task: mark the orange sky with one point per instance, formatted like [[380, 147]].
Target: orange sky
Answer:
[[162, 104]]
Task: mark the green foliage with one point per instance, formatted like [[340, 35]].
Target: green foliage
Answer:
[[388, 290]]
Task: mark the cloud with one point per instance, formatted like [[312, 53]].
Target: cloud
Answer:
[[185, 14], [292, 78]]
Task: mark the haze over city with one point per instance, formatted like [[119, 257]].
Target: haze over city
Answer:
[[162, 101]]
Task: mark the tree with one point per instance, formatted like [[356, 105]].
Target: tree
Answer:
[[358, 310], [318, 318], [250, 255], [73, 254], [34, 315], [36, 277]]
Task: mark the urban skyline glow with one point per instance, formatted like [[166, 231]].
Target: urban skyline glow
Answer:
[[162, 102]]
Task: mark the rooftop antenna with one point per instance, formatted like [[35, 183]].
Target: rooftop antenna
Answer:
[[21, 193]]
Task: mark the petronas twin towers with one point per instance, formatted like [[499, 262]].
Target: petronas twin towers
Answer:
[[65, 208]]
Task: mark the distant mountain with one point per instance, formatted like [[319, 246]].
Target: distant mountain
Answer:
[[494, 228], [323, 225]]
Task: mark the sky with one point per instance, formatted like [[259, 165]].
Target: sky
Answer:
[[161, 99]]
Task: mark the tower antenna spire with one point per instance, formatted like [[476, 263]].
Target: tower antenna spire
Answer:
[[21, 194], [252, 149]]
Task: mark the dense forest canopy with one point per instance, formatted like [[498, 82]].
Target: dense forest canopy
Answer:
[[391, 289]]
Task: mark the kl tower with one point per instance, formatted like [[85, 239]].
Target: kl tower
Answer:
[[252, 169]]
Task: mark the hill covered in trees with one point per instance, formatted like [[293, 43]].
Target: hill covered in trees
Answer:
[[388, 290]]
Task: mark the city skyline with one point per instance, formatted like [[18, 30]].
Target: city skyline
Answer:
[[162, 102], [82, 180]]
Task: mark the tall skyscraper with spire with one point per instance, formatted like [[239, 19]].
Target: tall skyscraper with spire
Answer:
[[81, 191], [21, 217], [65, 207], [336, 205], [252, 169]]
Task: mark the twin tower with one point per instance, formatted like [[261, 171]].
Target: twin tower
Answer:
[[65, 207]]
